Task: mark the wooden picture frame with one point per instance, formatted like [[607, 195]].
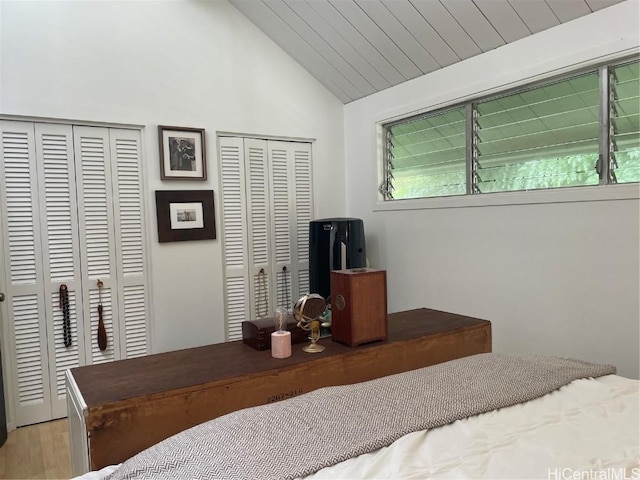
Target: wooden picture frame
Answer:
[[182, 153], [185, 215]]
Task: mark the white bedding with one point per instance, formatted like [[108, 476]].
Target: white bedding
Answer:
[[570, 430], [589, 429]]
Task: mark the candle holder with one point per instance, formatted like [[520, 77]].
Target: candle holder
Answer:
[[281, 338]]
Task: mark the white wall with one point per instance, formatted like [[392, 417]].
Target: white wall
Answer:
[[186, 63], [554, 278]]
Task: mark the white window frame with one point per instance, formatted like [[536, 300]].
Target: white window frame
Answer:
[[625, 191]]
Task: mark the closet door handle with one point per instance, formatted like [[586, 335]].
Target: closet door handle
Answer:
[[1, 297]]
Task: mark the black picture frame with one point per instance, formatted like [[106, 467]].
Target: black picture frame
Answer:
[[183, 154], [185, 215]]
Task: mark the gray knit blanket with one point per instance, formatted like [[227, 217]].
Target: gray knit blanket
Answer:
[[299, 436]]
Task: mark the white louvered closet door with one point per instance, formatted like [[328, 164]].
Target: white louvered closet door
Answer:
[[71, 213], [266, 208], [97, 238], [282, 220], [301, 168], [25, 303], [233, 207], [291, 209], [258, 227], [125, 146], [60, 253]]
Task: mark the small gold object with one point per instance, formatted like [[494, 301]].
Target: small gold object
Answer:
[[306, 311]]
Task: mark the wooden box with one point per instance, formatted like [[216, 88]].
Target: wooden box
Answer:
[[257, 333], [359, 306]]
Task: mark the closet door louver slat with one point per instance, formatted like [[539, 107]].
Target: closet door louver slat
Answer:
[[18, 161], [26, 321], [237, 306], [22, 250], [281, 203], [135, 314], [57, 205], [129, 204], [258, 196], [303, 282], [232, 201], [130, 246], [234, 225], [94, 196]]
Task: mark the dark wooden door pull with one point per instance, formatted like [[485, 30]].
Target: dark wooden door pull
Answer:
[[102, 332]]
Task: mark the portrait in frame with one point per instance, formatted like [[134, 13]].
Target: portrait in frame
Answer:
[[182, 153]]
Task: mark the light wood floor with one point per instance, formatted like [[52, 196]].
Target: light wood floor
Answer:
[[37, 451]]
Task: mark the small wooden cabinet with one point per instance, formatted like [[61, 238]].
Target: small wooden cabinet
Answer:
[[120, 408], [358, 306]]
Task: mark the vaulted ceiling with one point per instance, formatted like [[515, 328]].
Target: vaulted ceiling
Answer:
[[359, 47]]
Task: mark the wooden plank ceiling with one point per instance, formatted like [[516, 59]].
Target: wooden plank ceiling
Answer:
[[359, 47]]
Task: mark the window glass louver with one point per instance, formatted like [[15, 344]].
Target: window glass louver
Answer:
[[624, 123], [581, 130], [426, 156], [540, 138]]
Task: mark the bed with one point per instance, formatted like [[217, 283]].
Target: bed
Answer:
[[484, 416]]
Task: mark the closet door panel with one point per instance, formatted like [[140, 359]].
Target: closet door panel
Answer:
[[97, 242], [282, 221], [25, 303], [259, 227], [234, 234], [60, 252], [126, 155], [302, 213]]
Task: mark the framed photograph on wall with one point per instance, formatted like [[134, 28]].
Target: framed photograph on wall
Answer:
[[185, 215], [182, 153]]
